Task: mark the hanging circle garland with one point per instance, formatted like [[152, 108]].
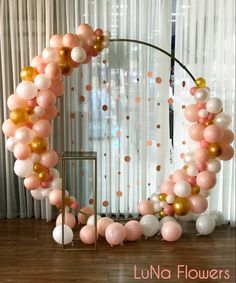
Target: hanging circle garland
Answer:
[[32, 107]]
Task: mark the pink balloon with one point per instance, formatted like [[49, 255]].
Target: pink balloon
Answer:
[[69, 219], [196, 132], [45, 184], [191, 113], [191, 180], [201, 106], [9, 128], [169, 210], [49, 158], [179, 175], [58, 87], [211, 116], [201, 166], [213, 133], [134, 230], [85, 32], [24, 135], [50, 113], [227, 137], [55, 197], [53, 71], [192, 90], [32, 182], [227, 152], [198, 203], [42, 128], [87, 234], [115, 234], [202, 120], [204, 144], [46, 98], [102, 225], [14, 101], [84, 214], [87, 60], [167, 187], [201, 155], [206, 180], [146, 207], [37, 61], [171, 231], [56, 41], [22, 151], [70, 40], [32, 102]]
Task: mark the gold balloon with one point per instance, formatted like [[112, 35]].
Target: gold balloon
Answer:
[[28, 73], [98, 47], [181, 206], [162, 213], [162, 197], [65, 67], [38, 145], [29, 110], [38, 167], [200, 82], [185, 167], [208, 123], [43, 175], [195, 189], [19, 115], [64, 53], [99, 39], [214, 150]]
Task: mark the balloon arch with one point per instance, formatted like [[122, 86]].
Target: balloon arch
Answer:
[[32, 107]]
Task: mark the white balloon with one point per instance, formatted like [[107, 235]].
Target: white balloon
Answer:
[[68, 234], [42, 82], [205, 224], [150, 225], [214, 105], [193, 146], [205, 193], [201, 95], [26, 90], [50, 54], [10, 143], [56, 183], [188, 158], [192, 170], [213, 165], [154, 197], [78, 54], [157, 206], [223, 120], [203, 113], [39, 111], [55, 173], [218, 216], [182, 189], [38, 194], [170, 199], [186, 218], [105, 43], [163, 204], [166, 219], [24, 135], [91, 219], [23, 168], [46, 192], [35, 157], [107, 34]]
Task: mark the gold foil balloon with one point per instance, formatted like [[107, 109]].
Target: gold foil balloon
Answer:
[[100, 38], [181, 206], [29, 110], [200, 82], [38, 167], [195, 189], [19, 115], [208, 123], [185, 167], [214, 150], [64, 53], [28, 73], [98, 47], [38, 145], [65, 67], [162, 213], [43, 175], [162, 197]]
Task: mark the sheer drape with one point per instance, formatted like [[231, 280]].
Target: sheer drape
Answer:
[[205, 43], [123, 115]]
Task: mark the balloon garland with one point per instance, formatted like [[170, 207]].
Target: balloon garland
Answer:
[[32, 108]]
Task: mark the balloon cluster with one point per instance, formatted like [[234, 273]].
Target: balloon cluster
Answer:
[[32, 107]]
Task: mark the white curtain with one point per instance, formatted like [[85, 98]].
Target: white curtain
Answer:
[[125, 115], [205, 43]]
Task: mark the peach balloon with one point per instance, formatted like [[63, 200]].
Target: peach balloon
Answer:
[[102, 225], [85, 32], [201, 155], [213, 133], [227, 137], [50, 113], [55, 197], [227, 152], [146, 207], [42, 128], [204, 144], [69, 219], [196, 132], [37, 61], [53, 71], [70, 40], [198, 203], [84, 214], [49, 158], [87, 234], [22, 151], [115, 234], [191, 113], [167, 187], [58, 87], [180, 175], [171, 231], [14, 101], [46, 98], [32, 182], [9, 128], [56, 41], [134, 230], [206, 180], [201, 166]]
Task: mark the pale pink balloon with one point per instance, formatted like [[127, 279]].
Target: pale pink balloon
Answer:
[[167, 187], [171, 231], [46, 98], [213, 133], [41, 68], [50, 113], [146, 207], [102, 225], [14, 101], [55, 197], [9, 128], [70, 40], [201, 155], [169, 210], [37, 61], [134, 230], [201, 106], [50, 54], [69, 219], [204, 143], [32, 182], [227, 136], [196, 132], [202, 120], [84, 214], [180, 175], [227, 152], [53, 71], [201, 166], [24, 135], [191, 113], [56, 41], [49, 158], [22, 151], [32, 102], [85, 31], [58, 87], [115, 234], [42, 128], [87, 234], [198, 203], [206, 180]]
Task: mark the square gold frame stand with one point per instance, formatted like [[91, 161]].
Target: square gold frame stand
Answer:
[[79, 155]]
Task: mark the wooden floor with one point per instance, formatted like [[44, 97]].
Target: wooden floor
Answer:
[[29, 254]]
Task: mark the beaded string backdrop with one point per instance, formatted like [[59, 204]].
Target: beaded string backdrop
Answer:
[[28, 128]]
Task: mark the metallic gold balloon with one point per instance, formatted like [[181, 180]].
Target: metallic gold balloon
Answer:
[[208, 123], [43, 175], [195, 189], [99, 38], [38, 167], [98, 47], [214, 150], [29, 110], [38, 145], [67, 202], [19, 115], [181, 206], [65, 67], [162, 197], [200, 82], [28, 73], [64, 53], [162, 213], [185, 167]]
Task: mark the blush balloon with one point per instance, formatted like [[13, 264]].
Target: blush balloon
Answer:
[[9, 128], [85, 31], [22, 151], [146, 207], [206, 180], [198, 203], [56, 41], [201, 155], [213, 133], [87, 235], [70, 40], [49, 158], [196, 132], [14, 101], [191, 113], [171, 231], [53, 71], [180, 175], [133, 230], [46, 98], [167, 187], [227, 152], [42, 128], [84, 214], [50, 113], [69, 219], [55, 197], [57, 86], [115, 234], [227, 137], [102, 225], [32, 182]]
